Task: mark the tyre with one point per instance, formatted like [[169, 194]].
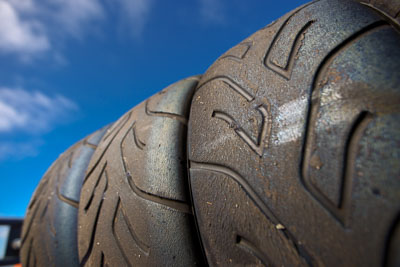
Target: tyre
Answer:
[[294, 143], [135, 207], [390, 9], [49, 235]]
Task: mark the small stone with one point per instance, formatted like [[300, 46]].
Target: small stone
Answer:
[[316, 162]]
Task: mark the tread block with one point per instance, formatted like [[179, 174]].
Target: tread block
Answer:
[[49, 235], [144, 217], [321, 82]]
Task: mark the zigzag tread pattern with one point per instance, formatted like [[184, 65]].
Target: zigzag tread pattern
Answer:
[[265, 210], [341, 211], [223, 152], [389, 9], [105, 216], [41, 226]]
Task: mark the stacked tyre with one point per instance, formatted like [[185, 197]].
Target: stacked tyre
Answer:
[[286, 152]]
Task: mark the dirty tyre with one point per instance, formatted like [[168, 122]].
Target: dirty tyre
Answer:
[[135, 206], [390, 9], [49, 235], [294, 143]]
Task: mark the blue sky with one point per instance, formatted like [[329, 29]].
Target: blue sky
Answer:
[[68, 67]]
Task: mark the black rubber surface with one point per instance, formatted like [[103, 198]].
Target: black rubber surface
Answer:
[[135, 209], [290, 157], [389, 9], [294, 142], [49, 235]]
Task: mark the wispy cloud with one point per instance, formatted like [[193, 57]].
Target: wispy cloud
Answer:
[[134, 14], [20, 36], [212, 11], [33, 112], [73, 16], [31, 27], [20, 150], [28, 115]]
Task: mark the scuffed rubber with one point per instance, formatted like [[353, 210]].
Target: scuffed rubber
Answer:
[[294, 142], [49, 236], [135, 203]]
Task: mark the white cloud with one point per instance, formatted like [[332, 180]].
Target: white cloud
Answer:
[[17, 35], [32, 112], [74, 15], [19, 150], [23, 5], [135, 14], [212, 11], [29, 27]]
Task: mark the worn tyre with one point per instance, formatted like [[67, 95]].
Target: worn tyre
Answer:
[[49, 236], [390, 9], [294, 142], [135, 206]]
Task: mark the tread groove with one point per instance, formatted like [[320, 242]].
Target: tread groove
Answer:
[[286, 71], [138, 143], [89, 203], [356, 131], [67, 200], [139, 219], [390, 243], [90, 145], [93, 234], [241, 181], [339, 213], [173, 116], [29, 252], [232, 84], [52, 230], [44, 211], [245, 244], [118, 126], [38, 193], [24, 237], [102, 259], [49, 222], [172, 203], [247, 45], [258, 202], [395, 24], [69, 160], [124, 256], [106, 148], [260, 144], [143, 247]]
